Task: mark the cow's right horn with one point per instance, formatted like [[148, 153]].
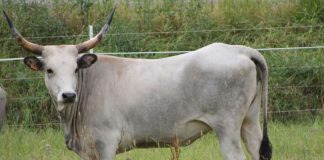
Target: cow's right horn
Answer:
[[32, 47], [85, 46]]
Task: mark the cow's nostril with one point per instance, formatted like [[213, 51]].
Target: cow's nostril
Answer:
[[64, 96]]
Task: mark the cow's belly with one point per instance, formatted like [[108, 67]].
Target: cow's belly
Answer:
[[189, 132], [184, 133]]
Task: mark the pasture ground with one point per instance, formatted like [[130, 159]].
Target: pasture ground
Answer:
[[291, 141]]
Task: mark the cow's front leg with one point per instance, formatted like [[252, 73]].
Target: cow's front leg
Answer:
[[107, 145], [100, 145], [106, 150]]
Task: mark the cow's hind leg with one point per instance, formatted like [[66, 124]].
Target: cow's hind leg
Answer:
[[229, 140], [251, 130], [251, 135]]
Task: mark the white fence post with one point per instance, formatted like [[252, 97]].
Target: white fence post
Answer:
[[91, 35]]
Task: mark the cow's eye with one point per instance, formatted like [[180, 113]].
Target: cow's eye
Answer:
[[49, 71]]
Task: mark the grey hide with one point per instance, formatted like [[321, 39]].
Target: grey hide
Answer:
[[2, 107]]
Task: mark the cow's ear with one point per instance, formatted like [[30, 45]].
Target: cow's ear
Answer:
[[86, 60], [33, 63]]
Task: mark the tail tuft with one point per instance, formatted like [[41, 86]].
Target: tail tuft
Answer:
[[265, 148]]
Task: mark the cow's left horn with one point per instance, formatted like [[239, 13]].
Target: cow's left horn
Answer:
[[85, 46], [32, 47]]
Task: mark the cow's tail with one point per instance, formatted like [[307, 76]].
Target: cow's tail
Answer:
[[265, 150]]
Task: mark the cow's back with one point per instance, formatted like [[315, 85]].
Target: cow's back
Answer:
[[2, 107]]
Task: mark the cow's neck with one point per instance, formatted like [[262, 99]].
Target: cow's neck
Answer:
[[73, 118]]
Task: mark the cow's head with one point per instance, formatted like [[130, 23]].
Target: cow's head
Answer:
[[60, 62]]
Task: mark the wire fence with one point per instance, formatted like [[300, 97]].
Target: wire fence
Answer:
[[178, 52], [274, 112]]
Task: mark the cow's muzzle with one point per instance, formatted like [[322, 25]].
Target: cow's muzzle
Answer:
[[68, 97]]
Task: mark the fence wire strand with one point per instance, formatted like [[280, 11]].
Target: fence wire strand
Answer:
[[297, 110], [271, 87], [270, 68], [270, 112], [179, 52]]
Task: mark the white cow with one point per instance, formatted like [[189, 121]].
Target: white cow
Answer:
[[109, 104]]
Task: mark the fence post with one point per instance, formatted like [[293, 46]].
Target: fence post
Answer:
[[91, 35]]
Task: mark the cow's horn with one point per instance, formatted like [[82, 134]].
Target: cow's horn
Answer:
[[85, 46], [32, 47]]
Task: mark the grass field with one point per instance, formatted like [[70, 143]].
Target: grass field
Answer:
[[303, 141]]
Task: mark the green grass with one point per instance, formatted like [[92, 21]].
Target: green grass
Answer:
[[303, 141]]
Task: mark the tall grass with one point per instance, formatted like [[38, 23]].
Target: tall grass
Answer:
[[172, 25]]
